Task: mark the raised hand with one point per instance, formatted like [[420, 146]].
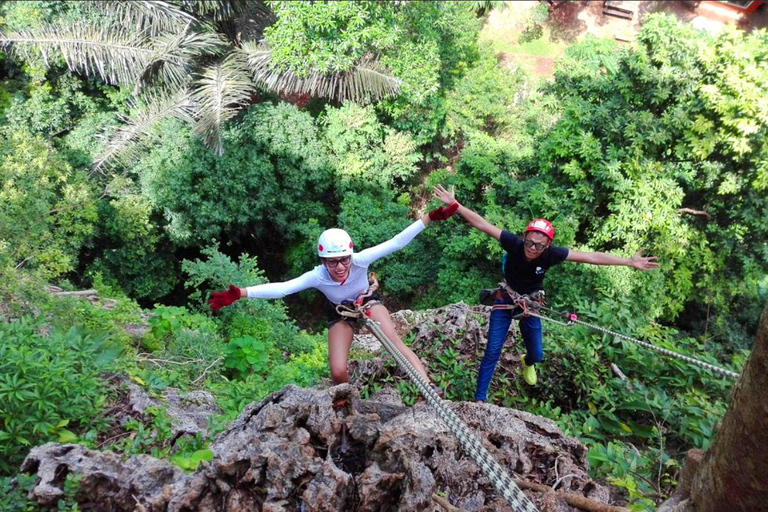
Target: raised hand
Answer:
[[220, 299], [641, 262], [444, 195]]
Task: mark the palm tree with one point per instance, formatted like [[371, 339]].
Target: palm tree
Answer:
[[199, 61]]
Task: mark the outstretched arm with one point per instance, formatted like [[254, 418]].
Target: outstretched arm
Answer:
[[637, 261], [263, 291], [475, 219]]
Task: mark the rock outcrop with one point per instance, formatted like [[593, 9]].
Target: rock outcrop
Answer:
[[313, 450]]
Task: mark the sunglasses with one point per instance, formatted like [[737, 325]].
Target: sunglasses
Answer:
[[537, 246], [334, 262]]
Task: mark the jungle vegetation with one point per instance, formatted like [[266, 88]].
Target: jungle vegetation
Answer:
[[156, 152]]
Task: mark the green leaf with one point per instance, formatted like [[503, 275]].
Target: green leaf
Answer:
[[65, 436]]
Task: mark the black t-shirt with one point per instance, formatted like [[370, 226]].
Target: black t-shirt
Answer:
[[525, 276]]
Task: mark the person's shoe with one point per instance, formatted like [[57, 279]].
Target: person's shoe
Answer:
[[529, 372]]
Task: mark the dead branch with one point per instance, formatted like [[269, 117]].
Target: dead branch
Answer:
[[574, 500], [194, 382], [140, 358], [80, 293], [445, 504], [21, 264], [691, 211], [617, 371]]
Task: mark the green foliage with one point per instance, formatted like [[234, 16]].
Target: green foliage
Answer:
[[534, 18], [436, 48], [49, 386], [246, 355], [130, 251], [47, 209], [218, 271], [48, 111], [484, 99], [425, 44], [111, 315], [274, 174], [14, 494], [304, 369], [647, 134], [263, 320], [189, 462], [451, 369], [199, 353], [168, 321], [154, 436], [328, 36], [365, 152], [623, 466]]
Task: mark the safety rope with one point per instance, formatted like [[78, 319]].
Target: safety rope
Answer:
[[498, 477], [573, 320], [531, 304]]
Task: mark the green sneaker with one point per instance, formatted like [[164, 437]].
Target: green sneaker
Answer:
[[529, 372]]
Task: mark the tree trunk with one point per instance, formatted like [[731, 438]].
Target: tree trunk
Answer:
[[734, 473]]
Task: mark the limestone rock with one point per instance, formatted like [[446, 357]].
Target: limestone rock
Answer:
[[189, 412], [315, 450]]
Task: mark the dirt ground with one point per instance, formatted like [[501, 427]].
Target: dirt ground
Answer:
[[571, 21]]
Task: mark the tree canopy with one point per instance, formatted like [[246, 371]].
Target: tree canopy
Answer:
[[345, 114]]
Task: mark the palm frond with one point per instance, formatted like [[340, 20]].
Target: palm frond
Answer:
[[148, 17], [367, 81], [222, 10], [218, 94], [173, 56], [122, 146], [115, 55], [247, 22]]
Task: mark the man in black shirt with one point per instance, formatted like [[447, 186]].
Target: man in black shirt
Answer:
[[527, 261]]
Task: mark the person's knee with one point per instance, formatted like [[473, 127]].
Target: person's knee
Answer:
[[339, 374], [492, 353]]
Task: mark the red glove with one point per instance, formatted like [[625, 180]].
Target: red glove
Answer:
[[220, 299], [444, 213]]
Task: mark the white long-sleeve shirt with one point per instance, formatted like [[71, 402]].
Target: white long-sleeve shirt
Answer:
[[319, 278]]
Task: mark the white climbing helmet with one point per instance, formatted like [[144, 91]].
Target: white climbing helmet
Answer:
[[334, 242]]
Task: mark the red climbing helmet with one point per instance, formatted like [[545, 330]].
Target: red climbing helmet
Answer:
[[542, 226]]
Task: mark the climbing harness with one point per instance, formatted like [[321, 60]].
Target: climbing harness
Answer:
[[531, 306], [528, 304], [356, 308], [497, 475]]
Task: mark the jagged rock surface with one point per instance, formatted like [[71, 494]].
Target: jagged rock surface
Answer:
[[313, 450], [189, 411]]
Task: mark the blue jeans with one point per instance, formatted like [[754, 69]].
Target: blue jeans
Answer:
[[530, 328]]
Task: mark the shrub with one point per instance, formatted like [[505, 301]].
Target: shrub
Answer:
[[302, 370], [166, 321], [49, 386]]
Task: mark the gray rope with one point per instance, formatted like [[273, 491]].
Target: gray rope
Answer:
[[498, 477], [666, 352]]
